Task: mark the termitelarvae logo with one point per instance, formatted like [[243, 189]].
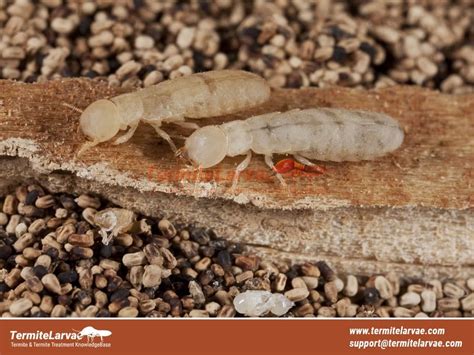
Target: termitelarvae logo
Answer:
[[88, 337]]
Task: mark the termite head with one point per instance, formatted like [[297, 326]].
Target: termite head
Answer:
[[206, 147], [100, 121]]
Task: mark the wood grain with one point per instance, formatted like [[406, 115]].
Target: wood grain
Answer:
[[398, 210]]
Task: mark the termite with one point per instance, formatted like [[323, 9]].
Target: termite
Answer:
[[207, 94], [115, 221], [325, 134]]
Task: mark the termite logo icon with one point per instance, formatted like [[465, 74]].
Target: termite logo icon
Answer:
[[91, 333], [61, 339]]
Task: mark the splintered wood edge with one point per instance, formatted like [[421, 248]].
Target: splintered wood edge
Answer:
[[418, 242]]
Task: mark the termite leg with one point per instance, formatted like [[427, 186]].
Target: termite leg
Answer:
[[187, 125], [269, 162], [177, 136], [182, 153], [165, 136], [308, 163], [105, 238], [241, 167], [301, 159], [127, 135]]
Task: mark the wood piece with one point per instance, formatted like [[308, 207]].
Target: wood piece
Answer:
[[411, 211]]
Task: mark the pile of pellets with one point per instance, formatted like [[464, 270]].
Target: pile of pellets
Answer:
[[54, 263], [291, 43]]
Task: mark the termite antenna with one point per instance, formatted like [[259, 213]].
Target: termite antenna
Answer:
[[72, 107], [182, 153], [178, 136]]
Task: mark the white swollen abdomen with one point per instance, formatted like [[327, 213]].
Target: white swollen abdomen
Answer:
[[207, 94], [354, 140], [326, 134]]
